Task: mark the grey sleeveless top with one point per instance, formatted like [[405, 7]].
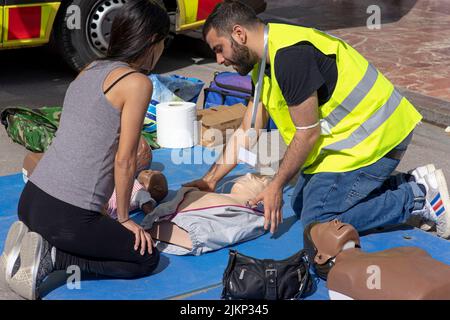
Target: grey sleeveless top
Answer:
[[78, 167]]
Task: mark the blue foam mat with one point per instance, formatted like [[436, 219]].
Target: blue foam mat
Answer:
[[188, 277]]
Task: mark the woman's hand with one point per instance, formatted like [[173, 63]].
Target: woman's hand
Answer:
[[202, 185], [143, 238]]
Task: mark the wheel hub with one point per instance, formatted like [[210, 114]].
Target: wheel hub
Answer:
[[99, 24]]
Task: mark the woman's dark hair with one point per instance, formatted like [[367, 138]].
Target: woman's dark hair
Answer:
[[138, 26]]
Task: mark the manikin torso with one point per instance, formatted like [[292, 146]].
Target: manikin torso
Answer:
[[244, 188], [196, 199], [403, 273]]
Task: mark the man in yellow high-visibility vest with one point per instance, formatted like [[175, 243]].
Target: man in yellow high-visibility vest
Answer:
[[345, 125]]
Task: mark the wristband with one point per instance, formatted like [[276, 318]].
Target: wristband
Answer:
[[122, 222]]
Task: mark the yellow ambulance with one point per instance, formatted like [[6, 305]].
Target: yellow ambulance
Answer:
[[80, 28]]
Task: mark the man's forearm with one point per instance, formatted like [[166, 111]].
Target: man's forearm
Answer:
[[295, 156]]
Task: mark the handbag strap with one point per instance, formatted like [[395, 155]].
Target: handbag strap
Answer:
[[305, 279], [231, 261], [271, 281]]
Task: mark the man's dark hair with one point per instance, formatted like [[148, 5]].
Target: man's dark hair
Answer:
[[227, 14]]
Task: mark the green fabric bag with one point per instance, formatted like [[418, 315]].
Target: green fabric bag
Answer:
[[32, 128], [35, 128]]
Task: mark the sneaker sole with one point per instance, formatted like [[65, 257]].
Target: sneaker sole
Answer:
[[334, 295], [11, 250], [428, 226], [429, 168], [442, 185], [24, 281]]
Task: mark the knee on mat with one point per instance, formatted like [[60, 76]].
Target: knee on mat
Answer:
[[149, 263]]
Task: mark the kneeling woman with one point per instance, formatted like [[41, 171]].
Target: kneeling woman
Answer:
[[94, 151]]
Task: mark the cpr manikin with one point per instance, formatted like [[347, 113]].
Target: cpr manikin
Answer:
[[403, 273], [195, 221]]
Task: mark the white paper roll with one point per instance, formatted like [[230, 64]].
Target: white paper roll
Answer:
[[176, 125]]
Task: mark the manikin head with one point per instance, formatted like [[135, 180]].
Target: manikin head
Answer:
[[155, 183], [324, 241], [250, 185], [144, 155], [228, 31]]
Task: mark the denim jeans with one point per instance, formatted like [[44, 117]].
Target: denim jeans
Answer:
[[366, 198]]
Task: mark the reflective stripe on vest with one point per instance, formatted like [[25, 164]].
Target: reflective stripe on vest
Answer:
[[370, 125], [354, 98]]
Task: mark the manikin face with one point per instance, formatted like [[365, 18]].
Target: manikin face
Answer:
[[331, 237], [231, 53], [250, 185]]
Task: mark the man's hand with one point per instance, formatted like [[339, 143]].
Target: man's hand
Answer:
[[272, 198], [202, 184]]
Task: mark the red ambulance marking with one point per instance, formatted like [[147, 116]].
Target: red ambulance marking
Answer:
[[24, 23], [205, 7]]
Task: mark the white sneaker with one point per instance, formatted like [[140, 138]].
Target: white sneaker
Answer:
[[35, 265], [437, 202], [422, 171], [418, 174], [9, 258]]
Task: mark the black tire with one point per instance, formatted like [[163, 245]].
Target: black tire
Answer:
[[81, 46]]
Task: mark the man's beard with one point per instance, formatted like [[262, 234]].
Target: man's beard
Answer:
[[242, 59]]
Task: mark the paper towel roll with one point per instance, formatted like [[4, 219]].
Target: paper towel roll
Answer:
[[176, 125]]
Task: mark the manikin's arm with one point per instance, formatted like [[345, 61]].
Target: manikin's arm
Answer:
[[169, 232]]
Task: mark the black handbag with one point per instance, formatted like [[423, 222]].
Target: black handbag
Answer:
[[266, 279]]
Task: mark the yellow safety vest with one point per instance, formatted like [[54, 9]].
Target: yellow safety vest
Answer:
[[366, 114]]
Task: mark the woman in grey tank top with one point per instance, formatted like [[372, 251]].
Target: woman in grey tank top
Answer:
[[94, 151]]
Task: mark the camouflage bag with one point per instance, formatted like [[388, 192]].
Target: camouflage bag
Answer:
[[35, 128], [32, 128]]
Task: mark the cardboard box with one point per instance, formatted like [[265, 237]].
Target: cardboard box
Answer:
[[30, 162], [220, 118]]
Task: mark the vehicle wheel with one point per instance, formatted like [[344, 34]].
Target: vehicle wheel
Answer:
[[80, 46]]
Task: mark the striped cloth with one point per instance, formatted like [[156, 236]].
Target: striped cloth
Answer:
[[138, 189]]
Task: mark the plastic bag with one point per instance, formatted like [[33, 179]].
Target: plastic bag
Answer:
[[168, 89]]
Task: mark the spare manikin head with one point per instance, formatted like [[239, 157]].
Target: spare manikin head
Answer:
[[155, 183], [144, 155], [250, 185], [324, 241]]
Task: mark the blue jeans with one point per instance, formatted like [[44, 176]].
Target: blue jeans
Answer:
[[366, 198]]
